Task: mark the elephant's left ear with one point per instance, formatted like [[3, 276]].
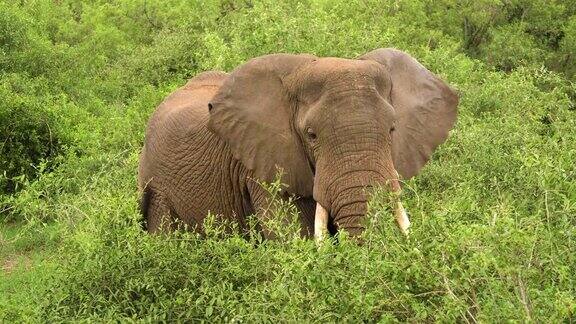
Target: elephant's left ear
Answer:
[[426, 109]]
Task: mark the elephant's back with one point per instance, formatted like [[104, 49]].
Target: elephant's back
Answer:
[[186, 109], [178, 127]]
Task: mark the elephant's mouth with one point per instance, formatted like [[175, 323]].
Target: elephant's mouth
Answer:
[[321, 220], [322, 215]]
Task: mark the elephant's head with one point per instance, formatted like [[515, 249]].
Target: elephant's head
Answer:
[[334, 126]]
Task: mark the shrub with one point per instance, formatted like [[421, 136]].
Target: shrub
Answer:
[[510, 47], [30, 137], [493, 228]]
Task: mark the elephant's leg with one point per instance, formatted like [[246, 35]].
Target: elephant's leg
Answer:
[[159, 219], [262, 202], [307, 209]]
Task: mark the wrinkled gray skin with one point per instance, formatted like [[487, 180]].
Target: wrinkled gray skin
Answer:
[[334, 126]]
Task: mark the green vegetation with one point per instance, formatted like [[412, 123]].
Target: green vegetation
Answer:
[[494, 213]]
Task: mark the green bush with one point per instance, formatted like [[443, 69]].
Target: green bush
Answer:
[[510, 47], [493, 212], [509, 34], [30, 137], [567, 59]]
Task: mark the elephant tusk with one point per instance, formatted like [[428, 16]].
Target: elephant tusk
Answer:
[[401, 215], [402, 218], [320, 222]]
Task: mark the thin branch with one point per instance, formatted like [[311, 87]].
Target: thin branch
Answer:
[[524, 298]]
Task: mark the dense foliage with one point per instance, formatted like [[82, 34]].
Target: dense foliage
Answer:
[[494, 213]]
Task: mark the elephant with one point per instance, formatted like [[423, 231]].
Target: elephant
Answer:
[[335, 127]]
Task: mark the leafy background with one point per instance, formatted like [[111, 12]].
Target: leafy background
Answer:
[[494, 212]]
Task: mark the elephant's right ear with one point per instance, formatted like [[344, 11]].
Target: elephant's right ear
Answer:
[[252, 113], [426, 109]]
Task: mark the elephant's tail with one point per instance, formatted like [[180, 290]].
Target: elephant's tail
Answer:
[[144, 204]]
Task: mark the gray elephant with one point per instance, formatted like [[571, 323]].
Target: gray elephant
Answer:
[[334, 126]]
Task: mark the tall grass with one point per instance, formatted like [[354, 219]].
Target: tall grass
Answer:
[[493, 213]]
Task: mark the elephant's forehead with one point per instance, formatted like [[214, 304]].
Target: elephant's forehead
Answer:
[[339, 72], [334, 66], [328, 75]]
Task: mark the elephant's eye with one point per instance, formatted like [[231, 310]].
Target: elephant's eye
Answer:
[[310, 133]]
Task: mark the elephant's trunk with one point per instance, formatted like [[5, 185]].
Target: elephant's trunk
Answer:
[[349, 209], [349, 205]]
